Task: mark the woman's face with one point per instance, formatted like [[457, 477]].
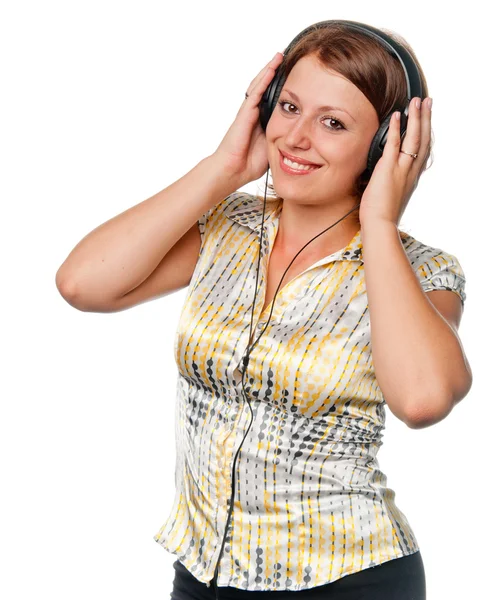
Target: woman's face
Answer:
[[337, 140]]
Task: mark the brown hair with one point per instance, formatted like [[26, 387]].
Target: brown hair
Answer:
[[365, 62]]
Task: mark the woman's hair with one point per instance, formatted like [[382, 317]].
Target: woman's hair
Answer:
[[365, 62]]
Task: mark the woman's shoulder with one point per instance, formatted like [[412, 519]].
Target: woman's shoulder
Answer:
[[217, 216], [240, 207], [419, 251], [233, 204], [435, 267]]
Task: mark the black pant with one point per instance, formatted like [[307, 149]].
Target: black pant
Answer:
[[398, 579]]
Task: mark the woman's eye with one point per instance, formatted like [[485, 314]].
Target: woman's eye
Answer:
[[337, 127], [281, 102], [340, 125]]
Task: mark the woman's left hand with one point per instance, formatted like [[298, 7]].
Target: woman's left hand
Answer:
[[396, 175]]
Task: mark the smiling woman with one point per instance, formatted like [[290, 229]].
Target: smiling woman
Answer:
[[378, 80], [333, 158], [282, 389]]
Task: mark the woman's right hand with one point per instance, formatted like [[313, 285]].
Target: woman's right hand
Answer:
[[243, 151]]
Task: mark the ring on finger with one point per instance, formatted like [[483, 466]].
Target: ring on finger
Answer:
[[413, 154]]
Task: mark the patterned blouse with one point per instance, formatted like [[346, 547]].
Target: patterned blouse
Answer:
[[310, 503]]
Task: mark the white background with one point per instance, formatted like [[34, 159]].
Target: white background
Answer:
[[105, 103]]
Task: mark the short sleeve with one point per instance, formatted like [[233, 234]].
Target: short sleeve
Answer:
[[439, 270], [215, 216], [202, 222]]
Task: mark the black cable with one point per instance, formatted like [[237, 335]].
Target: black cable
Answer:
[[249, 350], [247, 357]]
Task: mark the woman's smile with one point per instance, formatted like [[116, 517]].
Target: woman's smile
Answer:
[[294, 168]]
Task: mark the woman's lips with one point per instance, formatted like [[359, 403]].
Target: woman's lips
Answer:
[[287, 169]]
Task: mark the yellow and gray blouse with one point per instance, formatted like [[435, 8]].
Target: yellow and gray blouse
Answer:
[[310, 503]]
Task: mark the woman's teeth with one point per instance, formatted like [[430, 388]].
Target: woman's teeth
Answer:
[[295, 165]]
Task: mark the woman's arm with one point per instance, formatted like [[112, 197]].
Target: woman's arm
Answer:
[[120, 254], [418, 358]]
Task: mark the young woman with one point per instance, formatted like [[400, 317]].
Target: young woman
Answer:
[[304, 316]]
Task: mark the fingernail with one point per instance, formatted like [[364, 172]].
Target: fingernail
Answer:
[[430, 102], [418, 102]]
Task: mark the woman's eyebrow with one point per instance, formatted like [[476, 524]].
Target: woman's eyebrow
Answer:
[[320, 107]]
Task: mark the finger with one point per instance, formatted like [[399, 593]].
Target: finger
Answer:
[[393, 143], [271, 65], [274, 63], [424, 150], [412, 138], [255, 95]]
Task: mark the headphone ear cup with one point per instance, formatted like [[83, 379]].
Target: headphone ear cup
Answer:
[[271, 96], [378, 144]]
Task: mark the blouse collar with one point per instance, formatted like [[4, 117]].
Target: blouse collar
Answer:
[[249, 213]]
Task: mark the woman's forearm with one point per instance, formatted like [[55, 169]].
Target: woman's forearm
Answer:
[[418, 359], [118, 255]]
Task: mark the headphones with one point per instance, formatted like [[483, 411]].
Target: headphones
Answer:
[[413, 83], [267, 106], [414, 87]]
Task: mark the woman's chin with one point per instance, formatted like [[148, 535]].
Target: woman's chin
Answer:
[[289, 189]]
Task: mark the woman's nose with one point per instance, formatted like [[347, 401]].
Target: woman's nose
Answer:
[[298, 134]]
